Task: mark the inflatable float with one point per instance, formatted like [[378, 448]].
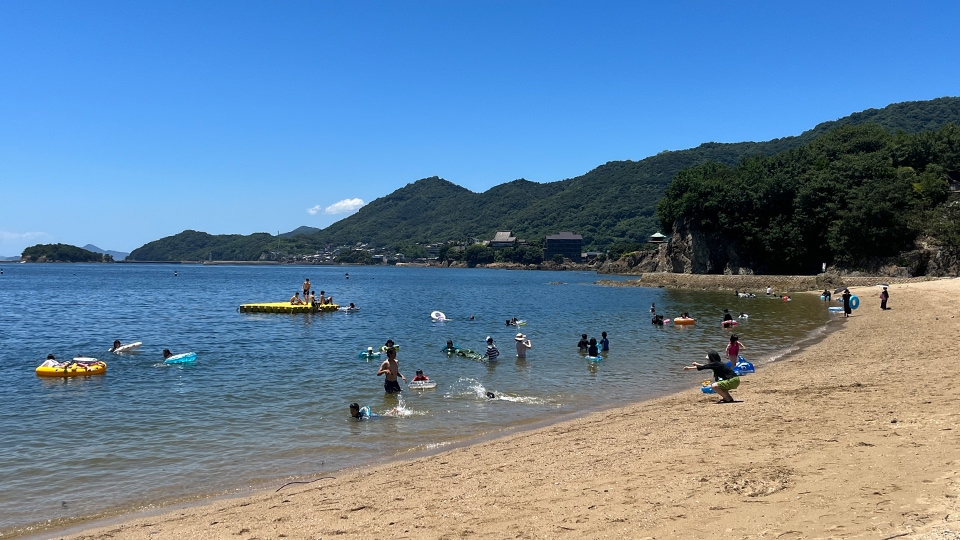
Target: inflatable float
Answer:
[[383, 348], [127, 348], [181, 358], [77, 367], [422, 385], [728, 324], [684, 320], [743, 367], [594, 358], [438, 316], [286, 307], [369, 354]]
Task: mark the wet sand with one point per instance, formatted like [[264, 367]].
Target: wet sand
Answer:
[[855, 436]]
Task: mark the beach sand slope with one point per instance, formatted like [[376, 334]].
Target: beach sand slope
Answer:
[[853, 437]]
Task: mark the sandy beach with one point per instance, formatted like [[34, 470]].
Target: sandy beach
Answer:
[[852, 437]]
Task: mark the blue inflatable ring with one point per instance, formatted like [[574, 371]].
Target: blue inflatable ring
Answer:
[[854, 302]]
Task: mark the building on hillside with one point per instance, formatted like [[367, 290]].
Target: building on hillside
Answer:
[[565, 243], [953, 181], [503, 239], [657, 238]]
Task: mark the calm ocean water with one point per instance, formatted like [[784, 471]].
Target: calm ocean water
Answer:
[[267, 398]]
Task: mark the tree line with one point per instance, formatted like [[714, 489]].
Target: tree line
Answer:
[[854, 193]]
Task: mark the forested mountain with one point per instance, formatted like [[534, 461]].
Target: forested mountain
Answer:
[[854, 194], [614, 203]]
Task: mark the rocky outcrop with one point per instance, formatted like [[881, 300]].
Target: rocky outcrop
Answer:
[[690, 250], [693, 251]]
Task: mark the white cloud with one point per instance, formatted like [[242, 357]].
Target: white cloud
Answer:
[[345, 206], [6, 236], [314, 211]]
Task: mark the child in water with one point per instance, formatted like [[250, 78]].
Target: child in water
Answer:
[[583, 344], [420, 376], [363, 413], [592, 348]]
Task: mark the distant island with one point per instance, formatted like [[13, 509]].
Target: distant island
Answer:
[[60, 253], [117, 255]]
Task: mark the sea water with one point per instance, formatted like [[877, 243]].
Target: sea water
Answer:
[[267, 398]]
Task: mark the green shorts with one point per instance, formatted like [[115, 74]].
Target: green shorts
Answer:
[[729, 384]]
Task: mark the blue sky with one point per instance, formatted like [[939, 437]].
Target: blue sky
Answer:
[[124, 122]]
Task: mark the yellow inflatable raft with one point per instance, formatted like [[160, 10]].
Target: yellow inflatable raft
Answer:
[[90, 366], [286, 307], [682, 320]]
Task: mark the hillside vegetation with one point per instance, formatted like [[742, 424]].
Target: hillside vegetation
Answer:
[[616, 203], [62, 253], [852, 194]]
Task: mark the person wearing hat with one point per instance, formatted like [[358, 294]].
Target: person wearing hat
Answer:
[[492, 351], [846, 302], [522, 345]]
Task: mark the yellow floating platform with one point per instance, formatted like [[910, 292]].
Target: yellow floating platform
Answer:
[[286, 307]]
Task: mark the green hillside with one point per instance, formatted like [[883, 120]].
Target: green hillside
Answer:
[[614, 203], [62, 253], [854, 194]]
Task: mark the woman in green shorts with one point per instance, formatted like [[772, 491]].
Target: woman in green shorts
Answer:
[[726, 379]]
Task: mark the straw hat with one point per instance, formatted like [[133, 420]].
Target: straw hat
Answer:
[[520, 337]]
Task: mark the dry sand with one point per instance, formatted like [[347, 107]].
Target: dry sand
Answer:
[[854, 437]]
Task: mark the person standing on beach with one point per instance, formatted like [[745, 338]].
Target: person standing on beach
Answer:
[[522, 345], [884, 296], [391, 369], [846, 302], [726, 379]]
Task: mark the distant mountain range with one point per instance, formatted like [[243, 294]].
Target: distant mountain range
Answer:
[[117, 255], [614, 203]]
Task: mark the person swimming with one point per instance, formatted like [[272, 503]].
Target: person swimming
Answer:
[[364, 413]]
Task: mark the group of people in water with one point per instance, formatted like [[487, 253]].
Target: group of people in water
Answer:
[[592, 347]]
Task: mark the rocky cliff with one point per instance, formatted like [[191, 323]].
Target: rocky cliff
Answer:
[[693, 251]]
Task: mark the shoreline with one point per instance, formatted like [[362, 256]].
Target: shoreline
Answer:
[[59, 527], [846, 439]]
